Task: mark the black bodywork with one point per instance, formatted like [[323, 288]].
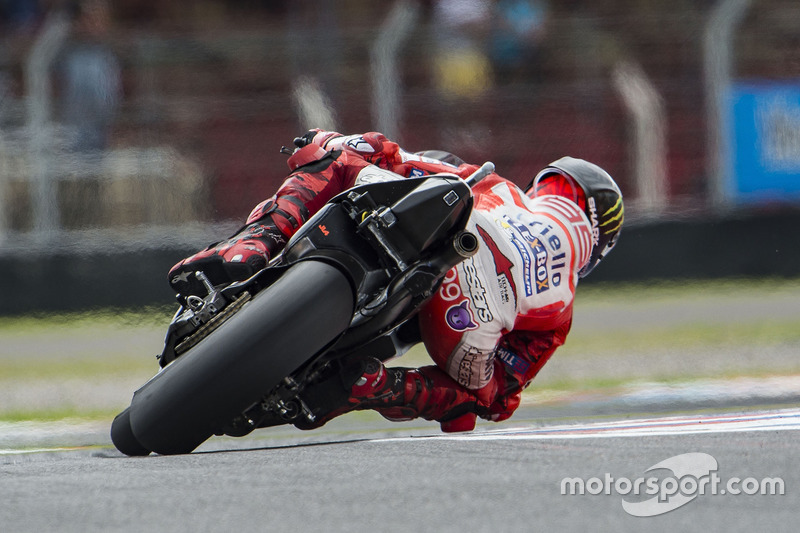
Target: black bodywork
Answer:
[[394, 241]]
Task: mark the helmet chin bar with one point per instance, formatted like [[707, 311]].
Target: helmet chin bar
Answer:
[[588, 267], [594, 261]]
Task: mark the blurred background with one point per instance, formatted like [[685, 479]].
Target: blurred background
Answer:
[[134, 132]]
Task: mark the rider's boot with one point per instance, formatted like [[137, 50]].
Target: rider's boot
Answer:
[[353, 388], [234, 259], [408, 393], [433, 395]]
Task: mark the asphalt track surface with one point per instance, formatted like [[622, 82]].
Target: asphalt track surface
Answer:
[[365, 475], [360, 473]]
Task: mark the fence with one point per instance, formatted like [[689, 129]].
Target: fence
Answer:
[[189, 105]]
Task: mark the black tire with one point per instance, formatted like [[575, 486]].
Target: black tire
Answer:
[[269, 338], [123, 438]]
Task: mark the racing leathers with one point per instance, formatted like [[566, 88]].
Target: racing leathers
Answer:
[[497, 317]]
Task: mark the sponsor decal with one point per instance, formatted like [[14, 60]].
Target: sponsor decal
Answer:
[[459, 317], [557, 261], [258, 231], [610, 218], [276, 236], [507, 290], [359, 145], [407, 156], [474, 368], [183, 276], [558, 264], [416, 173], [502, 268], [522, 249], [476, 292], [521, 228], [595, 223], [450, 291], [374, 174], [546, 270], [324, 230], [398, 376], [513, 361], [540, 270]]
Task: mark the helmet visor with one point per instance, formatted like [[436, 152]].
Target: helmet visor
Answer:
[[559, 185]]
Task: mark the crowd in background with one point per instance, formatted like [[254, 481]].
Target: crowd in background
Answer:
[[520, 82]]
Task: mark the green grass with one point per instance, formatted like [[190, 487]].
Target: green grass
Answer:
[[681, 290], [611, 383], [100, 319], [75, 367], [696, 336], [111, 345], [56, 413]]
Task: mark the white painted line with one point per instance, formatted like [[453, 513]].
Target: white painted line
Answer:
[[34, 450], [783, 420]]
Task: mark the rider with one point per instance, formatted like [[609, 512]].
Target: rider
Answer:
[[497, 317]]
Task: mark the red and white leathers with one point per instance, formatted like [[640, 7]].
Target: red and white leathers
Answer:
[[497, 317]]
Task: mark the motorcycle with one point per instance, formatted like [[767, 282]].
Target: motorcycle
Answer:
[[269, 350]]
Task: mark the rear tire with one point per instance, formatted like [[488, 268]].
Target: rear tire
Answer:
[[282, 327], [123, 438]]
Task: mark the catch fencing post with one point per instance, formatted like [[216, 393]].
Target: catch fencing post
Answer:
[[37, 87], [646, 108], [718, 40], [383, 63]]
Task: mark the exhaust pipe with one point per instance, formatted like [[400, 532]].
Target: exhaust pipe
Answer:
[[465, 244]]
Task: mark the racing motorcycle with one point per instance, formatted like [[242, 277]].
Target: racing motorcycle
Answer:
[[269, 350]]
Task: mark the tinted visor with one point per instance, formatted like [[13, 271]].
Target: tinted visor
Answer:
[[559, 185]]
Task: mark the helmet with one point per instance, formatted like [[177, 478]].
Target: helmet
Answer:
[[592, 189]]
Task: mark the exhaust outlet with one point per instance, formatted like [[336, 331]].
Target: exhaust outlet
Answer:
[[465, 244]]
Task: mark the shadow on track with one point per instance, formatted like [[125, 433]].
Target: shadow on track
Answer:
[[118, 455]]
